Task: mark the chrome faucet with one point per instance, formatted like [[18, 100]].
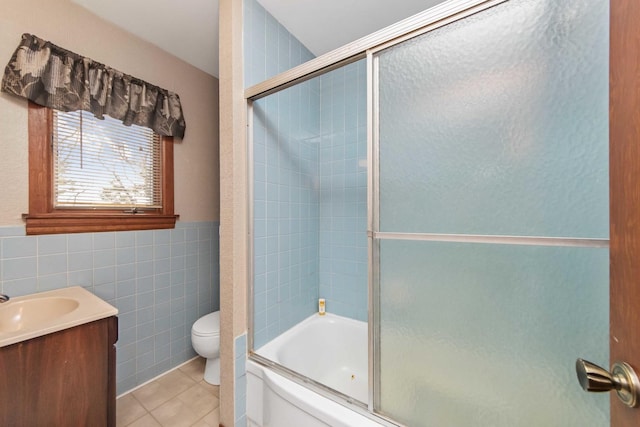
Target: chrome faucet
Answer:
[[4, 298]]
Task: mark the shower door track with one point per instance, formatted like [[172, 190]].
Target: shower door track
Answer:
[[323, 390]]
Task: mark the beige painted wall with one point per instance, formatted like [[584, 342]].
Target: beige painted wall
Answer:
[[233, 213], [72, 27]]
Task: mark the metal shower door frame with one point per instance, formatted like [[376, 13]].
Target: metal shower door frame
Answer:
[[367, 47]]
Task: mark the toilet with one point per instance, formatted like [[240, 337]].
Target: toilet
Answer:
[[205, 338]]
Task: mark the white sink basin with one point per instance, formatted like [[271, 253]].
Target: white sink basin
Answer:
[[33, 312], [34, 315]]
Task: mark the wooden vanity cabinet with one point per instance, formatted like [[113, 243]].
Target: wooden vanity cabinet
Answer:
[[65, 378]]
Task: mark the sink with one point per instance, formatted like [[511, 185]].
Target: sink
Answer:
[[32, 312], [31, 316]]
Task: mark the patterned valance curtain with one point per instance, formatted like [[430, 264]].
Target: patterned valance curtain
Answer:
[[57, 78]]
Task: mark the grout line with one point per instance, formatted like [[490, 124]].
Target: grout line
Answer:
[[141, 416], [207, 414], [155, 419]]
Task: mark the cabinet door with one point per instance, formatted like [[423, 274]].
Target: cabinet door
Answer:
[[59, 379]]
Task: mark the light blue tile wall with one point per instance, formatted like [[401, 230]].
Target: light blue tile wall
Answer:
[[310, 201], [309, 184], [286, 221], [285, 173], [269, 49], [310, 190], [343, 191], [161, 281], [240, 375]]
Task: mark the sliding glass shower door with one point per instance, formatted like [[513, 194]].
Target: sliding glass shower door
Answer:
[[491, 218]]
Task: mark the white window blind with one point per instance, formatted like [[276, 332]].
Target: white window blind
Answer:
[[104, 164]]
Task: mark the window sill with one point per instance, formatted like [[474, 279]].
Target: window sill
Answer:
[[60, 223]]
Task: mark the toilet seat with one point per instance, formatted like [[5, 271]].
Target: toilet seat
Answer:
[[207, 326]]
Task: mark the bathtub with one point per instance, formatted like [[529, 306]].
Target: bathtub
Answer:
[[331, 350]]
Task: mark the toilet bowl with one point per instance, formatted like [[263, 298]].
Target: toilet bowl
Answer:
[[205, 338]]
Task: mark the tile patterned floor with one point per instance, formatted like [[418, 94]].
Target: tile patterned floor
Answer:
[[178, 398]]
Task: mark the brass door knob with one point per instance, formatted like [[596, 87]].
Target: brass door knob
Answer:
[[622, 379]]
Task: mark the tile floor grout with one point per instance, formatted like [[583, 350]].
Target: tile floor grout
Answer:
[[179, 398]]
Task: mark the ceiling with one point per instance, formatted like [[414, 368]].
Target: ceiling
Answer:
[[321, 25]]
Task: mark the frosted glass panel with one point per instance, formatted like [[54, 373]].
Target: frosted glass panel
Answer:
[[498, 124], [495, 125], [487, 335]]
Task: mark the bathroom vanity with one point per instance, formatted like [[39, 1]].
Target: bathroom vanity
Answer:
[[64, 377]]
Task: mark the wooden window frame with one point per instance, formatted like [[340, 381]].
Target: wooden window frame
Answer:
[[43, 218]]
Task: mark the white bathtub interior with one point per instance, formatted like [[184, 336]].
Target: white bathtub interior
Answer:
[[329, 349]]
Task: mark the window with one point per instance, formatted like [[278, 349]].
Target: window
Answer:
[[88, 175], [103, 164]]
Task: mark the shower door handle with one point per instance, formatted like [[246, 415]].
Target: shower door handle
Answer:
[[622, 379]]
